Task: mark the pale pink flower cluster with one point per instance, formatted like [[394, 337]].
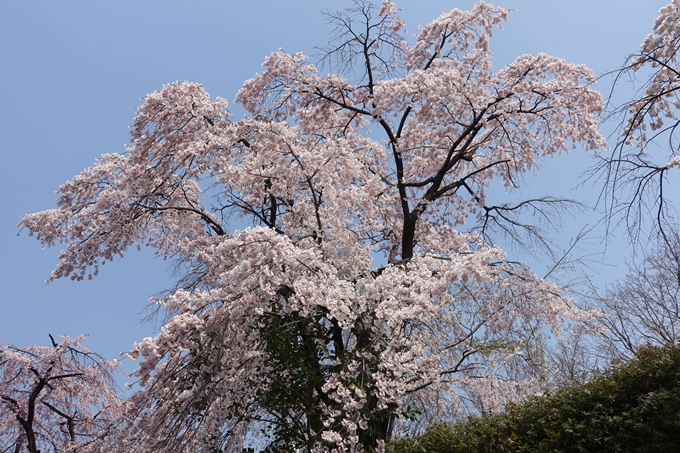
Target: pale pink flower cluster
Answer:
[[659, 102], [360, 236], [388, 8]]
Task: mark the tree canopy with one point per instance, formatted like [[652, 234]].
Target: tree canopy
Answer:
[[337, 272]]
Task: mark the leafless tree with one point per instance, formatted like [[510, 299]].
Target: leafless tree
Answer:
[[644, 307]]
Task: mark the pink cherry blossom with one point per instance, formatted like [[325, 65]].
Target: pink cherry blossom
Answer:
[[323, 240]]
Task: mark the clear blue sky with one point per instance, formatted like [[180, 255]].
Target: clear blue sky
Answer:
[[73, 72]]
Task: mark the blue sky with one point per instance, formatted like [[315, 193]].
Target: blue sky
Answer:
[[73, 72]]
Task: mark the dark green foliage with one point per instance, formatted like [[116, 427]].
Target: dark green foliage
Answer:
[[299, 368], [632, 407], [302, 353]]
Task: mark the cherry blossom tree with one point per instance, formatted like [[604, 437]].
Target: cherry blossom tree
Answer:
[[352, 291], [56, 398], [648, 149]]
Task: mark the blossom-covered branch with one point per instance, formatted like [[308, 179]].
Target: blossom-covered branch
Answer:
[[647, 150]]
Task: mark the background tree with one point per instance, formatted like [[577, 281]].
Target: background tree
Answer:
[[574, 358], [647, 148], [644, 307], [55, 398], [357, 298]]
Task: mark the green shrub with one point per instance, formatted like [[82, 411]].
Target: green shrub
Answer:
[[632, 407]]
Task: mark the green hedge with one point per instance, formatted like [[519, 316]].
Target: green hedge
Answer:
[[632, 407]]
